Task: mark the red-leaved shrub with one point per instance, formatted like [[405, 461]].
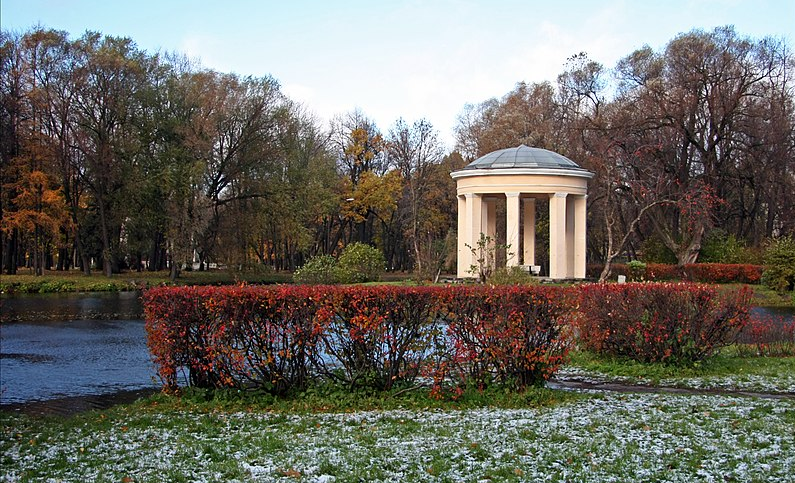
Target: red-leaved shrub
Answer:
[[234, 336], [176, 324], [280, 338], [511, 334], [264, 338], [654, 322], [696, 272], [661, 272], [378, 336], [723, 273]]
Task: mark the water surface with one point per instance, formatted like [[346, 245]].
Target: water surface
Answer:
[[48, 360]]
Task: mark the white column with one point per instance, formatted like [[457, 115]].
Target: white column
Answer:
[[529, 257], [580, 203], [570, 200], [489, 225], [557, 235], [512, 228], [464, 255], [474, 208]]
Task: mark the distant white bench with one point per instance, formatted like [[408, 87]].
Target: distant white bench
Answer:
[[533, 269]]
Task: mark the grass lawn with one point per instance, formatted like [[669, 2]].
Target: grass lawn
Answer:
[[328, 434], [606, 437], [764, 296]]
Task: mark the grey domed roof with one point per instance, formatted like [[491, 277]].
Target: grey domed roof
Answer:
[[523, 157]]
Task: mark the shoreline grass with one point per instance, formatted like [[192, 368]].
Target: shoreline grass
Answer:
[[75, 281], [763, 296]]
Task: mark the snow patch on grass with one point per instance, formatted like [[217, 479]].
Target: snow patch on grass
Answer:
[[610, 438]]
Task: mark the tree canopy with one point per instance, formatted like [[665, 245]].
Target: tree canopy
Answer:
[[114, 158]]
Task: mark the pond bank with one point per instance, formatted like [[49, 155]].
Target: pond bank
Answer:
[[69, 406], [74, 281], [54, 307]]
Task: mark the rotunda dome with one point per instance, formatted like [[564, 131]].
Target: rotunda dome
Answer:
[[523, 157]]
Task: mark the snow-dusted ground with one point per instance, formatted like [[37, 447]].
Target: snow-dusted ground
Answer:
[[612, 437], [780, 383]]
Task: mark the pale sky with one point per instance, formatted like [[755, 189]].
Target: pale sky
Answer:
[[411, 59]]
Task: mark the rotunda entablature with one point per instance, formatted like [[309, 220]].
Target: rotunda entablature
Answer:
[[525, 181], [523, 169]]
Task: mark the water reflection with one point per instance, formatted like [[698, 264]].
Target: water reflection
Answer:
[[71, 306], [788, 313]]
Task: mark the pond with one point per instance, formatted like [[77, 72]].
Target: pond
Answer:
[[60, 346], [67, 345]]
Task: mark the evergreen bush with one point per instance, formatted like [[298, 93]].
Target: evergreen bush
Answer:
[[360, 263], [511, 276], [322, 269], [637, 270], [779, 273], [720, 247]]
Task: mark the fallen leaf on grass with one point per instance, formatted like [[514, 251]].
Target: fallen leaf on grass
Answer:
[[291, 473]]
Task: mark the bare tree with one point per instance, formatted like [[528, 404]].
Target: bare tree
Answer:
[[414, 151]]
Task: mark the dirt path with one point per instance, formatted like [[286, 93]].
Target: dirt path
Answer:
[[572, 384]]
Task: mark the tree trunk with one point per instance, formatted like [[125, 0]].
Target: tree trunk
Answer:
[[202, 261], [47, 253], [38, 261], [11, 253], [63, 257], [416, 245], [107, 262], [690, 253], [174, 271], [85, 262], [154, 254]]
